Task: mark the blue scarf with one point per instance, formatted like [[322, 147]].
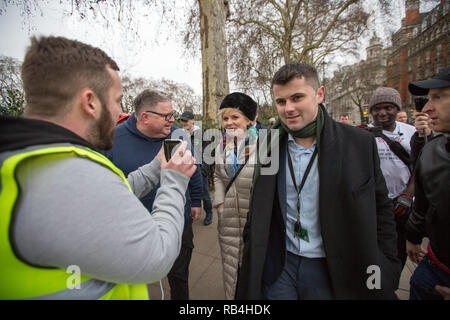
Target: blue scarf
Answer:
[[232, 151]]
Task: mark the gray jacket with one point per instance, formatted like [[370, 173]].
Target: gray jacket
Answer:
[[73, 211]]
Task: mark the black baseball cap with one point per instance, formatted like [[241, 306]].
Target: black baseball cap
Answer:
[[187, 115], [421, 88]]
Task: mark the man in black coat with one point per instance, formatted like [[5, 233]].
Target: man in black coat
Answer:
[[431, 214], [331, 236]]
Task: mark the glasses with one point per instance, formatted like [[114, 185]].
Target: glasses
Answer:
[[166, 116]]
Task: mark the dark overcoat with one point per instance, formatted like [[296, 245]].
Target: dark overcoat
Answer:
[[355, 214]]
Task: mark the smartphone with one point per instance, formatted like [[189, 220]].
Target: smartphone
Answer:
[[419, 103], [169, 146]]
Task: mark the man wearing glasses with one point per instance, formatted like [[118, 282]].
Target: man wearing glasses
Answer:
[[137, 142]]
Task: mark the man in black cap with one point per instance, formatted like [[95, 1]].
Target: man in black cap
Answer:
[[431, 215], [187, 120]]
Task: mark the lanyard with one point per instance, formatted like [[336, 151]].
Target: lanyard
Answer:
[[298, 226]]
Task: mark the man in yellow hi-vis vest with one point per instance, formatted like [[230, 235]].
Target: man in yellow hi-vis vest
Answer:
[[71, 224]]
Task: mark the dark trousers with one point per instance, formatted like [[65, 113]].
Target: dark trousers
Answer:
[[425, 277], [207, 205], [302, 279], [179, 274], [400, 222]]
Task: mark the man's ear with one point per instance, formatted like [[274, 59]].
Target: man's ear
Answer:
[[90, 104], [320, 94], [143, 117]]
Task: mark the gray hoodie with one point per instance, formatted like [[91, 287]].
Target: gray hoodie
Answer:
[[74, 211]]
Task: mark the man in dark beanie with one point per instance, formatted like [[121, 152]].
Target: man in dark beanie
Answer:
[[317, 226], [384, 106]]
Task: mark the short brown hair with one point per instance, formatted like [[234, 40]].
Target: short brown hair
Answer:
[[148, 98], [296, 70], [56, 68]]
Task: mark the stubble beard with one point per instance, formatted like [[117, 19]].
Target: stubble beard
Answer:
[[101, 132]]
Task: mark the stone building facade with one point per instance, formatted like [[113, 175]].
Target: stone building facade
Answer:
[[419, 50], [351, 87]]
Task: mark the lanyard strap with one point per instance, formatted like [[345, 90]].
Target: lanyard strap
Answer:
[[291, 170]]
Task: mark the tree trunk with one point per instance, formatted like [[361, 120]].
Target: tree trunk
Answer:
[[213, 14]]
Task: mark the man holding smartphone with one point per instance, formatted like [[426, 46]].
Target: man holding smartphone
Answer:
[[63, 204], [431, 214], [138, 141], [423, 133]]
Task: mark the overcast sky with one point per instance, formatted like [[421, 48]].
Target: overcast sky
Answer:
[[146, 58], [142, 58]]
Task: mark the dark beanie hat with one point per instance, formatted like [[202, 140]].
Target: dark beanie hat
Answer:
[[385, 95], [242, 102]]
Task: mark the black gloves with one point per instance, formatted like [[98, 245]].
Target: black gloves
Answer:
[[403, 205]]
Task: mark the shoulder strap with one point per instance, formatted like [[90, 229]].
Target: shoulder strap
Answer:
[[395, 147], [235, 176]]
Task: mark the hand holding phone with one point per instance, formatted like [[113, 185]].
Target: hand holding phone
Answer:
[[422, 123], [169, 146], [419, 103], [181, 161]]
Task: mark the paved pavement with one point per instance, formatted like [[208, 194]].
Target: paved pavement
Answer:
[[205, 277], [205, 273]]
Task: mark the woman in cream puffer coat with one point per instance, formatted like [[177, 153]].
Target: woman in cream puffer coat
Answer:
[[233, 205]]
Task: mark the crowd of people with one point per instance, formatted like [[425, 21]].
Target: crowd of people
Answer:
[[84, 184]]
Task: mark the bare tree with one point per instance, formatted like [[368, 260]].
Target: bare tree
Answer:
[[209, 31], [260, 35], [352, 87], [365, 81], [213, 14], [11, 91], [183, 96], [265, 34]]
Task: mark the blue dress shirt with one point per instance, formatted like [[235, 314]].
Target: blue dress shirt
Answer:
[[309, 202]]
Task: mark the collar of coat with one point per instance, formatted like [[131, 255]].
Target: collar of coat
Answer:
[[273, 139]]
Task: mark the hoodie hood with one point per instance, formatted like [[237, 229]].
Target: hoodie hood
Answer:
[[18, 133]]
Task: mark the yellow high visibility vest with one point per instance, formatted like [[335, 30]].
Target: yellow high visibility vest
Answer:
[[19, 280]]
